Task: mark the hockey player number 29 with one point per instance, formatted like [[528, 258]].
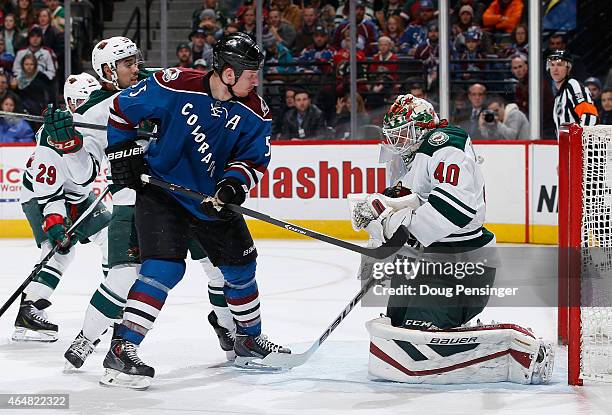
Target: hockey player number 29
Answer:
[[46, 174], [449, 175]]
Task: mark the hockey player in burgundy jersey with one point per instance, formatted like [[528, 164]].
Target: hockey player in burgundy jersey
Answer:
[[214, 136]]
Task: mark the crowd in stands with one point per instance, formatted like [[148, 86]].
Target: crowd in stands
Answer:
[[307, 70]]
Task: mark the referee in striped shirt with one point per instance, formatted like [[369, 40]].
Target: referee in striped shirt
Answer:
[[573, 102]]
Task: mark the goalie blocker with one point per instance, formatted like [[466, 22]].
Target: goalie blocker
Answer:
[[481, 354]]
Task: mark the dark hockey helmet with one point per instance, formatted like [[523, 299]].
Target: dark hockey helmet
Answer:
[[560, 55], [238, 51]]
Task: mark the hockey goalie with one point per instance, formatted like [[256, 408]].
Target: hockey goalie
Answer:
[[439, 197]]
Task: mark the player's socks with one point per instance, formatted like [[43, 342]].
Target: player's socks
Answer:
[[32, 324]]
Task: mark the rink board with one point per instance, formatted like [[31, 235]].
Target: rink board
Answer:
[[307, 183]]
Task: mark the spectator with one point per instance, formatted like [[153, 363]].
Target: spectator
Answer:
[[367, 33], [417, 90], [595, 87], [248, 22], [465, 24], [390, 8], [11, 35], [305, 121], [520, 70], [25, 16], [385, 54], [6, 59], [503, 122], [5, 91], [328, 16], [199, 48], [319, 51], [428, 52], [57, 14], [52, 38], [208, 22], [381, 88], [343, 117], [201, 65], [280, 31], [606, 104], [520, 42], [13, 130], [459, 106], [287, 104], [278, 55], [413, 36], [503, 15], [33, 86], [289, 12], [231, 28], [183, 54], [395, 28], [469, 68], [304, 36], [557, 41], [210, 5], [477, 93], [341, 62], [45, 57]]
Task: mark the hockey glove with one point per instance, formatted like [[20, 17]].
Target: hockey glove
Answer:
[[229, 190], [396, 191], [127, 164], [55, 226], [60, 128]]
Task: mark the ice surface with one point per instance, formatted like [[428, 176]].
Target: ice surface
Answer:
[[303, 286]]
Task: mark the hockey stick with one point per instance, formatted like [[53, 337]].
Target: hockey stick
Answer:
[[52, 252], [41, 119], [387, 249], [291, 360]]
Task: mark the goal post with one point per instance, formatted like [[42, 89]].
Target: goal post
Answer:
[[585, 251]]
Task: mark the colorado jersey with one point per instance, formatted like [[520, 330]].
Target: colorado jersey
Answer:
[[446, 177], [201, 140], [48, 179]]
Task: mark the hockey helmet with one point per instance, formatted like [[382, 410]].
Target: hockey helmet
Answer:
[[111, 50], [238, 51], [78, 88], [559, 55], [407, 121]]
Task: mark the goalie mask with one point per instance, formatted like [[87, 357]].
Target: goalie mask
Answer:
[[407, 121], [109, 52]]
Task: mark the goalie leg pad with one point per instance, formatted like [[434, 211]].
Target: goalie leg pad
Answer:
[[494, 353]]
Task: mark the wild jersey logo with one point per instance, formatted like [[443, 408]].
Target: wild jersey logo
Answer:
[[171, 74], [437, 139]]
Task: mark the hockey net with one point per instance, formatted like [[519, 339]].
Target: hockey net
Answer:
[[585, 256]]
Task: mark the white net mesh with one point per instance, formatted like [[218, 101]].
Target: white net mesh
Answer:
[[596, 283]]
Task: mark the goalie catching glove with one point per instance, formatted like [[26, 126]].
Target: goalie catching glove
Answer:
[[229, 190]]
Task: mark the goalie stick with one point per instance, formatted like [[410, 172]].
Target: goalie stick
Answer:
[[288, 361], [41, 119], [387, 249], [52, 252]]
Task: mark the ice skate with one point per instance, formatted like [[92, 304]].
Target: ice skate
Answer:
[[542, 372], [32, 325], [226, 336], [251, 349], [124, 368], [78, 351]]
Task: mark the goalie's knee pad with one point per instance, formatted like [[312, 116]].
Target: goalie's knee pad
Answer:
[[493, 353]]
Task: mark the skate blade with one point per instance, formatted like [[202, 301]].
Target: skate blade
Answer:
[[22, 334], [254, 363], [114, 378], [70, 368]]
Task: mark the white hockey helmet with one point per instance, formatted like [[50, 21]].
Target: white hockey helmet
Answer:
[[109, 51], [78, 88], [407, 121]]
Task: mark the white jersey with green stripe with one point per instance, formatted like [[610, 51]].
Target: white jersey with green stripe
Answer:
[[48, 180], [447, 178]]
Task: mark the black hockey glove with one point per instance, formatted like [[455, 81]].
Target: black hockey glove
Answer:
[[127, 164], [229, 190]]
